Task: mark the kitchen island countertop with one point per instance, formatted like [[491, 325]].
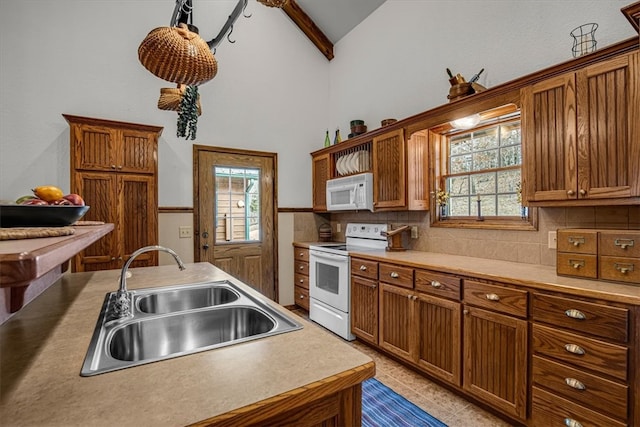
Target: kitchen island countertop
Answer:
[[44, 346]]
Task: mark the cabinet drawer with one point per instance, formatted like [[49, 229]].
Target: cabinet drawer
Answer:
[[498, 298], [301, 297], [620, 269], [589, 390], [620, 243], [301, 267], [301, 280], [578, 241], [582, 352], [551, 410], [301, 254], [596, 319], [396, 275], [579, 265], [443, 285], [364, 268]]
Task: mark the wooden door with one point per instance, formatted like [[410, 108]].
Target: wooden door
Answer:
[[389, 175], [364, 309], [396, 320], [609, 131], [235, 214], [439, 350], [138, 217], [549, 139], [99, 191], [321, 173], [94, 147], [495, 360], [138, 151]]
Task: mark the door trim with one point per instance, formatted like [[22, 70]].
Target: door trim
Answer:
[[196, 191]]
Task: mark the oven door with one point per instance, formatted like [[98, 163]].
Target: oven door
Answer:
[[329, 279]]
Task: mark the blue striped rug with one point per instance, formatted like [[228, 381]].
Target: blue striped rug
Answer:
[[383, 407]]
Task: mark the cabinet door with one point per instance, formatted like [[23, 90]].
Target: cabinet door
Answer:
[[438, 321], [418, 172], [364, 309], [549, 140], [321, 173], [396, 318], [137, 217], [94, 148], [137, 152], [495, 359], [99, 191], [609, 129], [389, 176]]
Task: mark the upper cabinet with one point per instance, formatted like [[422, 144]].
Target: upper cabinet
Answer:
[[581, 136], [399, 166]]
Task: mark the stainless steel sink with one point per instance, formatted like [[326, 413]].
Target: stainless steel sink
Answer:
[[179, 298], [176, 321]]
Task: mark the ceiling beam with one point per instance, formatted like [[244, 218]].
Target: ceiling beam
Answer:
[[309, 28]]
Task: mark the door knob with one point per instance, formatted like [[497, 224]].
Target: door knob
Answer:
[[205, 246], [205, 234]]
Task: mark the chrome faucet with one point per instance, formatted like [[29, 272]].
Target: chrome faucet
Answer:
[[122, 306]]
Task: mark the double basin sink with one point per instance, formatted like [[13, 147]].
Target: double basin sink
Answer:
[[179, 320]]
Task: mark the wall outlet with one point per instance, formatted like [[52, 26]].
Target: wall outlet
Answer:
[[338, 228], [185, 231], [553, 240], [414, 232]]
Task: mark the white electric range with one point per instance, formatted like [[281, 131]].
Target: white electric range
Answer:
[[330, 276]]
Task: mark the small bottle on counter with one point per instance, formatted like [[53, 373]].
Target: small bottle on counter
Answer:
[[338, 138], [327, 141]]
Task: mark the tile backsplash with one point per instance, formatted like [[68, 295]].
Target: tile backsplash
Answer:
[[529, 247]]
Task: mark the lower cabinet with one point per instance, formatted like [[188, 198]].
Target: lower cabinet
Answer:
[[301, 276], [364, 309], [397, 320]]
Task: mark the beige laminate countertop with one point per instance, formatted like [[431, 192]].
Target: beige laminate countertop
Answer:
[[43, 348], [531, 275]]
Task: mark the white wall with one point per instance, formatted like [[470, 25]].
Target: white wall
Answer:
[[393, 64], [80, 57]]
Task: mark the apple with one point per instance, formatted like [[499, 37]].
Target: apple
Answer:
[[61, 202], [34, 202], [74, 199]]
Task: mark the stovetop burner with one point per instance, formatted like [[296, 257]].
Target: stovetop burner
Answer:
[[359, 237]]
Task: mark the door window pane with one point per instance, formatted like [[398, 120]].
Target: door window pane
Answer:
[[237, 204]]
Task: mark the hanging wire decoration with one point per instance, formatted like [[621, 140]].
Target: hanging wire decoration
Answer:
[[584, 40]]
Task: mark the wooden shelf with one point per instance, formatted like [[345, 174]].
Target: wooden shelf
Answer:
[[24, 261]]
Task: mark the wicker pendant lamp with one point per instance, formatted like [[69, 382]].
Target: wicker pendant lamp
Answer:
[[274, 3], [178, 55]]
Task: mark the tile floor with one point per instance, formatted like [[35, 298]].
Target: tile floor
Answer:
[[448, 407]]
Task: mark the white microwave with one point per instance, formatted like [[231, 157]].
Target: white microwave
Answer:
[[350, 193]]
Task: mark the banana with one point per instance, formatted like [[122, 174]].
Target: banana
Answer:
[[48, 193]]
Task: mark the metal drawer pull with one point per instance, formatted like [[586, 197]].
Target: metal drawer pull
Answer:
[[301, 267], [492, 297], [372, 286], [301, 296], [301, 280], [301, 254], [574, 348], [394, 275], [576, 263], [363, 268], [623, 243], [570, 422], [574, 383], [436, 284], [576, 241], [575, 314], [623, 268]]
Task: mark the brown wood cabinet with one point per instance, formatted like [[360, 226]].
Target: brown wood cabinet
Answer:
[[301, 276], [321, 173], [364, 300], [581, 135], [114, 168]]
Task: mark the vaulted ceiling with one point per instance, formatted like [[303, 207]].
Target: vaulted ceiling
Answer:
[[325, 22]]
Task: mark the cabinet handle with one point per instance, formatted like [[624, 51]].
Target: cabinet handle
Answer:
[[574, 348], [570, 422], [394, 275], [415, 297], [363, 268], [301, 296], [119, 258], [575, 314], [583, 192], [113, 258], [373, 286], [436, 284], [301, 280], [492, 297], [623, 243], [119, 166], [623, 268], [113, 166], [301, 254], [574, 383], [571, 192], [465, 311], [301, 267], [576, 241], [576, 263]]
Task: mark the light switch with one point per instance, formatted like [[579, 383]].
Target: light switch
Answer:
[[185, 231], [414, 232]]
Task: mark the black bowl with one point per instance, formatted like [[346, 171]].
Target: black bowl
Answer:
[[40, 215]]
